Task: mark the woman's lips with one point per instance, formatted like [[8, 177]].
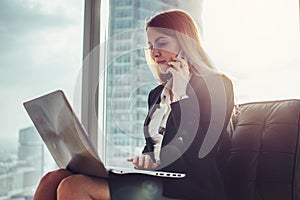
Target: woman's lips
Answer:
[[161, 62]]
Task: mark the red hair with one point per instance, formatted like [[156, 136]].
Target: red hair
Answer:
[[176, 20], [181, 25]]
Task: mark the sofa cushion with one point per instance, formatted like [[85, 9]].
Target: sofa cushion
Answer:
[[264, 157]]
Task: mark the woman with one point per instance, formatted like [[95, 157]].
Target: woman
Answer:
[[188, 112]]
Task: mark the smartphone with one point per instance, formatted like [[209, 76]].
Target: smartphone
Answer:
[[180, 54]]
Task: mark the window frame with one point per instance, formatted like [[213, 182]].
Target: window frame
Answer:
[[90, 69]]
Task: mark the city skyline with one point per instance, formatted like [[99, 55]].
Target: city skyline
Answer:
[[21, 170]]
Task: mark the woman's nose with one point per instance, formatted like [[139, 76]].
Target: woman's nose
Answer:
[[155, 52]]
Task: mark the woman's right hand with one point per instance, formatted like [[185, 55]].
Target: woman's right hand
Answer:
[[143, 161]]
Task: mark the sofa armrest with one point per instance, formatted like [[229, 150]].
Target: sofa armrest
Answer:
[[264, 157]]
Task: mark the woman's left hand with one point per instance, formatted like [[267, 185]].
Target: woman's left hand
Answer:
[[181, 73]]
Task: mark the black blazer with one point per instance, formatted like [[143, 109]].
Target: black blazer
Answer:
[[207, 110]]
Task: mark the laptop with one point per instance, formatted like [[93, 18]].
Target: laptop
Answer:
[[67, 139]]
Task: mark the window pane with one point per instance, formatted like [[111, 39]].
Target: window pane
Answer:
[[257, 42], [128, 78], [40, 51]]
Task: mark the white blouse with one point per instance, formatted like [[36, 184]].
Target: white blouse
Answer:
[[158, 121]]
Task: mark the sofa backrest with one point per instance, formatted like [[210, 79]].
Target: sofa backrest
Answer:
[[264, 157]]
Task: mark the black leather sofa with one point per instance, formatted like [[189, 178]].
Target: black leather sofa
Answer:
[[261, 160]]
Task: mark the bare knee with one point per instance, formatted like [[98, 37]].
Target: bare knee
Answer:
[[49, 183], [82, 187], [55, 177], [68, 183], [70, 187]]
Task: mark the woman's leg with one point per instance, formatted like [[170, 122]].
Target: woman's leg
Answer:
[[49, 183], [62, 184], [83, 187]]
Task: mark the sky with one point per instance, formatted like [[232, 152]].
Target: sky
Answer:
[[255, 43], [40, 51]]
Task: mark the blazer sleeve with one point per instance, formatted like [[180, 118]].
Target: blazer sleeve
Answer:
[[192, 118]]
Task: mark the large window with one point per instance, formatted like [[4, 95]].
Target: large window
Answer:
[[255, 42], [40, 51]]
